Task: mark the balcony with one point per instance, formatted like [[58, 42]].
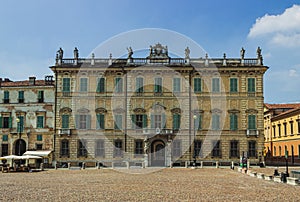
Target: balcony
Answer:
[[64, 131], [157, 131], [252, 132]]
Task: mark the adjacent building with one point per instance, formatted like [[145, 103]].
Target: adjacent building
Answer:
[[282, 130], [27, 116], [158, 110]]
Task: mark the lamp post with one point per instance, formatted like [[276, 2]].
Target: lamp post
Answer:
[[19, 133], [194, 155], [286, 163]]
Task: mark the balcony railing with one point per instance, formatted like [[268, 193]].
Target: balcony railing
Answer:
[[252, 132], [157, 131]]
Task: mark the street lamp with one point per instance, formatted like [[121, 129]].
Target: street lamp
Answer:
[[19, 133], [286, 162], [194, 117]]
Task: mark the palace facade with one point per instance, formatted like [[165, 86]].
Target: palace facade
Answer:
[[27, 116], [158, 110], [282, 130]]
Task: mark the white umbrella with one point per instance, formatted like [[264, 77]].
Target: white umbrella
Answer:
[[29, 157], [10, 157]]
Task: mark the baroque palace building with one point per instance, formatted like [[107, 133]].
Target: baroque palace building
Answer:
[[27, 117], [282, 130], [158, 110]]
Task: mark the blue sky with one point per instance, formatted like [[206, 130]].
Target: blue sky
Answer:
[[32, 31]]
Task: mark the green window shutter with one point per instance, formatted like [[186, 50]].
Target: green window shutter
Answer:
[[6, 94], [233, 122], [40, 122], [101, 85], [251, 122], [5, 138], [176, 121], [21, 124], [1, 121], [152, 121], [144, 120], [66, 85], [163, 121], [98, 121], [133, 121], [65, 121], [251, 85], [198, 122], [102, 121], [158, 85], [139, 85], [88, 121], [233, 85], [176, 85], [77, 121], [39, 137], [118, 122], [215, 122], [197, 85], [83, 85], [119, 85], [10, 122], [21, 94], [215, 85]]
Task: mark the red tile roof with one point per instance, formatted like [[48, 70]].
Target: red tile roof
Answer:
[[23, 83], [282, 106]]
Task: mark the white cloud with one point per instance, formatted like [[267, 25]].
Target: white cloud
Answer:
[[293, 73], [282, 29]]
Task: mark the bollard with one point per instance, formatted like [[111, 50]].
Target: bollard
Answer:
[[201, 164], [83, 166], [112, 165], [69, 166], [186, 164], [171, 164], [42, 167], [127, 164], [217, 164], [143, 164], [232, 165], [55, 166]]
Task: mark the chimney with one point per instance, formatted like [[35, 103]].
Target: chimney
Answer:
[[0, 81], [49, 80], [32, 80]]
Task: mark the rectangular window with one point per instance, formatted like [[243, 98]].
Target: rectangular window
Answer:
[[233, 122], [83, 121], [39, 137], [40, 96], [100, 148], [279, 130], [197, 148], [4, 149], [118, 85], [64, 149], [40, 122], [274, 131], [216, 122], [215, 85], [21, 97], [118, 148], [83, 85], [216, 152], [197, 85], [284, 128], [139, 82], [234, 150], [233, 85], [298, 123], [198, 122], [20, 124], [6, 97], [251, 122], [139, 149], [176, 85], [292, 127], [158, 85], [5, 122], [118, 122], [100, 121], [39, 146], [158, 121], [65, 121], [66, 85], [251, 85], [82, 152], [176, 148], [4, 138], [176, 121], [101, 85], [252, 148]]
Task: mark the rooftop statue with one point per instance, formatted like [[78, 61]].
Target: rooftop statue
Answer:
[[158, 51], [76, 54], [187, 52], [60, 54], [130, 52], [242, 53]]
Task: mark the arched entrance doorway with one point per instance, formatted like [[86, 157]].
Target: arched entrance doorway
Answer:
[[20, 147], [158, 153]]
